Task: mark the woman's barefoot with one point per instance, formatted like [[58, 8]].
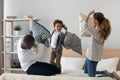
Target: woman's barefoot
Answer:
[[116, 76], [106, 72]]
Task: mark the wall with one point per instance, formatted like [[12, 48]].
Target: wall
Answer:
[[1, 16], [68, 11]]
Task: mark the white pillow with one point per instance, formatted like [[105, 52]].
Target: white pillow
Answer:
[[109, 64], [83, 29], [70, 64]]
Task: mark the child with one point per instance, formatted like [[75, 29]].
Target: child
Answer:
[[28, 60], [99, 34], [57, 39]]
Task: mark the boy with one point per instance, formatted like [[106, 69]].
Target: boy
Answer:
[[57, 39]]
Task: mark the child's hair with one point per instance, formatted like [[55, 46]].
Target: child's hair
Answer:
[[105, 27], [28, 39], [58, 21]]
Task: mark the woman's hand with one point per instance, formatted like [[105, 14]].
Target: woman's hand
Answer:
[[91, 12]]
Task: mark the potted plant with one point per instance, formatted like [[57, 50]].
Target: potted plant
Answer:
[[17, 28], [35, 48]]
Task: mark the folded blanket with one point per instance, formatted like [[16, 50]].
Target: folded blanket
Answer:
[[73, 42], [40, 32]]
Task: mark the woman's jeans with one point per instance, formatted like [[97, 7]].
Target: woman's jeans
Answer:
[[90, 68]]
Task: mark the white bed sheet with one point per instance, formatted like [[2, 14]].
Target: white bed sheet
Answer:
[[13, 76]]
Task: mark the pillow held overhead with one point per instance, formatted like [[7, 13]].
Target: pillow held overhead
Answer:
[[83, 30], [40, 32]]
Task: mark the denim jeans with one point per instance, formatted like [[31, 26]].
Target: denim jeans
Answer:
[[90, 69]]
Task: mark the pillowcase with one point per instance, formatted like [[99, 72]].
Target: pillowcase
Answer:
[[70, 64], [68, 39], [109, 64], [40, 32], [73, 42], [83, 29]]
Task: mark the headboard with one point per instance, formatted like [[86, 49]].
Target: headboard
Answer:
[[107, 53]]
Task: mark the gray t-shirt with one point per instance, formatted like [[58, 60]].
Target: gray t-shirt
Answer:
[[95, 48]]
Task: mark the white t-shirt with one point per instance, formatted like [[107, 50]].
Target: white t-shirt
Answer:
[[26, 56], [54, 39]]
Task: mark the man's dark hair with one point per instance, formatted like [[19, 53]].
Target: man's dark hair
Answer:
[[28, 39], [58, 21]]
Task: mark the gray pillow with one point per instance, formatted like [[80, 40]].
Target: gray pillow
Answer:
[[73, 42]]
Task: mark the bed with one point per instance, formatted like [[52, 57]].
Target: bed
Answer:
[[72, 67]]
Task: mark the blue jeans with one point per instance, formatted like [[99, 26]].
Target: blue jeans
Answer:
[[90, 69], [41, 68], [107, 75]]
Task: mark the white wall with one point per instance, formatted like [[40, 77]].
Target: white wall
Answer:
[[68, 11]]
